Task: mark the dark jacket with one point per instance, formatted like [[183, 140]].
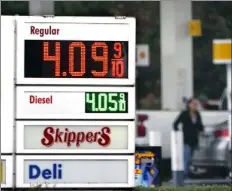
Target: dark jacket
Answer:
[[190, 130]]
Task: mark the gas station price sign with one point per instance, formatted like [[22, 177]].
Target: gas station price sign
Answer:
[[73, 73], [78, 51]]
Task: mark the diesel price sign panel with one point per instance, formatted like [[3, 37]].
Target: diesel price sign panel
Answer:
[[75, 103]]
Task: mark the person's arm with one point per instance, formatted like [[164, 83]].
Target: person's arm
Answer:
[[201, 126], [177, 121]]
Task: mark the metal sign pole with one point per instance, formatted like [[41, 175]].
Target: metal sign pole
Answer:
[[177, 158], [222, 54], [229, 92]]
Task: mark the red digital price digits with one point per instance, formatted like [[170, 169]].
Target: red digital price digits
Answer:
[[116, 62]]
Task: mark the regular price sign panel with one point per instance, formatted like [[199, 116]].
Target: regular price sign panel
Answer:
[[75, 103], [78, 50]]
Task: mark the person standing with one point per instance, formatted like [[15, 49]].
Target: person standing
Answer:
[[192, 127]]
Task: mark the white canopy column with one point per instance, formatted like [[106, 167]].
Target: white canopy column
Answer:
[[176, 53], [38, 7]]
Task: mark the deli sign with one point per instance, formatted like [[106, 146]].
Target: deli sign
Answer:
[[82, 171], [75, 137]]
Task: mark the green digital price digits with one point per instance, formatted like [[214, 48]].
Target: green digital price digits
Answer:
[[106, 102]]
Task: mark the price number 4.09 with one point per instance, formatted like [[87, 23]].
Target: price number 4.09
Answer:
[[106, 102], [116, 61]]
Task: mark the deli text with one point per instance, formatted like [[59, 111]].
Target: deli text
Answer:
[[55, 172]]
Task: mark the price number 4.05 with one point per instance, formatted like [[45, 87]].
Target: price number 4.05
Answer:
[[106, 102]]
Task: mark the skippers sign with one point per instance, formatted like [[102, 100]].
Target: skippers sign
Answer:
[[75, 137]]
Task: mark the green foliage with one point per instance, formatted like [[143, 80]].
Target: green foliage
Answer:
[[189, 188], [210, 79], [14, 7]]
